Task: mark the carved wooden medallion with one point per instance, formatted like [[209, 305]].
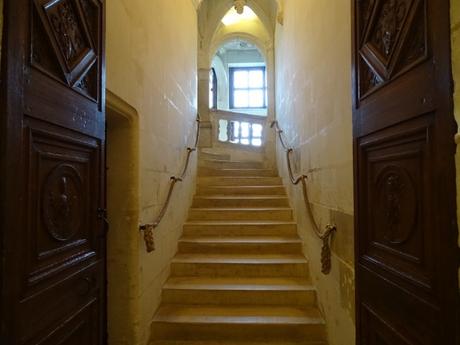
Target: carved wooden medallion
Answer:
[[62, 202]]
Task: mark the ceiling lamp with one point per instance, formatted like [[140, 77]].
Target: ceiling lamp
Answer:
[[240, 12]]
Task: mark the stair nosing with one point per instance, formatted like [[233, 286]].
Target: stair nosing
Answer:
[[249, 319]]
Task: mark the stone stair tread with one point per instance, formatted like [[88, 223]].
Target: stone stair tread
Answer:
[[247, 314], [274, 208], [241, 196], [241, 177], [238, 283], [229, 161], [268, 186], [216, 342], [234, 342], [240, 239], [239, 222], [240, 258]]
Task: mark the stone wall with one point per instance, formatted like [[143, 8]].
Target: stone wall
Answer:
[[313, 82], [152, 66]]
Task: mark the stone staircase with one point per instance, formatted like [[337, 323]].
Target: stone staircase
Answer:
[[239, 276]]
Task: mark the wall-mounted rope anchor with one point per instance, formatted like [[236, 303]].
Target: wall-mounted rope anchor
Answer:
[[148, 237]]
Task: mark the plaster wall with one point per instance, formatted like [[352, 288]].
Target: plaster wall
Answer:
[[152, 66], [313, 107], [455, 31]]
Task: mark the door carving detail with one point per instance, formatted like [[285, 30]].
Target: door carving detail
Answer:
[[62, 208], [68, 32], [389, 23], [398, 199], [73, 32], [393, 40]]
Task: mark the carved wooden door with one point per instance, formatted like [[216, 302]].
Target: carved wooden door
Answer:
[[406, 229], [53, 196]]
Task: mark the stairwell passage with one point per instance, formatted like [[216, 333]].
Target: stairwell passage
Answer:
[[239, 276]]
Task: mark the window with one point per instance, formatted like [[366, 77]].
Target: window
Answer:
[[212, 89], [248, 88]]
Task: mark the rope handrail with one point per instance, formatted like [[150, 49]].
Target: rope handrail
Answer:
[[325, 235], [148, 228]]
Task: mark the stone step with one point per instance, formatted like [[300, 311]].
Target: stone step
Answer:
[[240, 228], [248, 265], [234, 290], [226, 164], [219, 342], [211, 155], [239, 181], [205, 172], [240, 245], [241, 190], [240, 201], [248, 323], [236, 214]]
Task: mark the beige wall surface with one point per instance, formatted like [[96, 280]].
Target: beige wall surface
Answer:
[[152, 65], [455, 26], [313, 86]]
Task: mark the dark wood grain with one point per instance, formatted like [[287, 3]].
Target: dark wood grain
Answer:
[[406, 226], [53, 166]]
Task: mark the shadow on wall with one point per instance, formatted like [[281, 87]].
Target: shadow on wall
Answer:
[[123, 212]]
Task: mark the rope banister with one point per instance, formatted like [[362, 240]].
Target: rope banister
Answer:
[[326, 235], [173, 180]]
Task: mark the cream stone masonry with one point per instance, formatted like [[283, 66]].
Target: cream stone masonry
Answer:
[[313, 96], [152, 66]]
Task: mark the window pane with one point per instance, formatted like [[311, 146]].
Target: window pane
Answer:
[[256, 142], [245, 141], [236, 132], [256, 131], [240, 79], [244, 130], [256, 98], [256, 79], [211, 99], [223, 135], [241, 99]]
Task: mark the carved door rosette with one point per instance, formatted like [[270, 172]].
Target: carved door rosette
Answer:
[[392, 40], [71, 37]]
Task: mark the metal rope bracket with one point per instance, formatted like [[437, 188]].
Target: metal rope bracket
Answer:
[[329, 230]]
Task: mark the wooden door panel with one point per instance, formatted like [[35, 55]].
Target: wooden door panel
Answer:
[[415, 319], [48, 309], [55, 74], [395, 165], [63, 173], [377, 332], [403, 127], [75, 329]]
